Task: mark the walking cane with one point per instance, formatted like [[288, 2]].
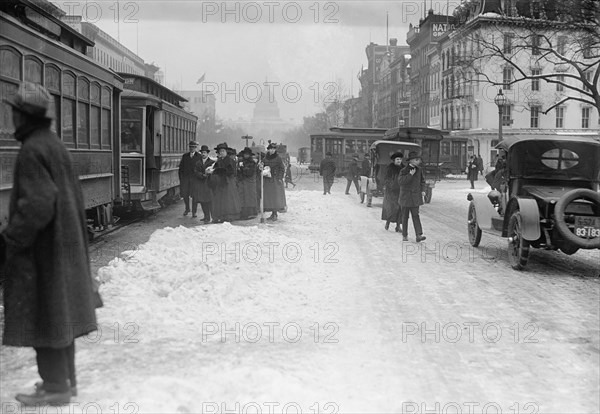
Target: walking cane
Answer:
[[262, 190]]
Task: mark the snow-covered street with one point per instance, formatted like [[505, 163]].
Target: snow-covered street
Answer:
[[325, 311]]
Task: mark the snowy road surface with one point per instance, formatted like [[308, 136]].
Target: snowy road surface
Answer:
[[325, 311]]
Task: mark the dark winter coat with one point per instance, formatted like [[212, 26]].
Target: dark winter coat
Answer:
[[226, 200], [274, 191], [201, 192], [391, 207], [352, 171], [186, 173], [49, 295], [247, 183], [411, 187], [366, 168], [327, 168], [472, 170]]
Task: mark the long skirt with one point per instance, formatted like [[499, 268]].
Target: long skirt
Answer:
[[274, 193], [248, 197], [391, 207], [226, 200]]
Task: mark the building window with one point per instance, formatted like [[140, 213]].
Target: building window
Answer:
[[559, 87], [560, 117], [506, 115], [535, 83], [507, 78], [561, 45], [508, 40], [588, 77], [534, 121], [585, 117], [535, 44]]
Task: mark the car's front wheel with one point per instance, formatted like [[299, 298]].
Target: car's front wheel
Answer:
[[518, 247], [473, 227]]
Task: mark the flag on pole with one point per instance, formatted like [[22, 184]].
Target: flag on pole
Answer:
[[201, 78]]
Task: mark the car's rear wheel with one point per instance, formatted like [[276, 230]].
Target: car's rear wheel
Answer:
[[473, 227], [561, 224], [518, 247]]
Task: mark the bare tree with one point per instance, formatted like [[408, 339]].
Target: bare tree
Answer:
[[554, 41], [332, 98]]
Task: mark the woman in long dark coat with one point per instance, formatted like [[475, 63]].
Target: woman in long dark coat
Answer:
[[274, 191], [473, 170], [412, 191], [247, 169], [202, 193], [226, 200], [391, 207]]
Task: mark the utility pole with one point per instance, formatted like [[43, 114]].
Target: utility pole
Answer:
[[247, 138]]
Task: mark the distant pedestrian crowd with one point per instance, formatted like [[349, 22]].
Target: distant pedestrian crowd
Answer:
[[229, 188]]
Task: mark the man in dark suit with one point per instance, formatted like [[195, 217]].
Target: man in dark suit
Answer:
[[327, 171], [202, 193], [186, 174], [352, 174], [412, 191]]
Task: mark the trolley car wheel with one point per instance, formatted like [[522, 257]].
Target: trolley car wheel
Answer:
[[473, 227], [518, 247]]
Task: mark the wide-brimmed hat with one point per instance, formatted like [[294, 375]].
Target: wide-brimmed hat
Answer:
[[204, 148], [246, 150], [221, 146], [31, 99], [272, 145], [413, 155], [193, 144], [397, 154]]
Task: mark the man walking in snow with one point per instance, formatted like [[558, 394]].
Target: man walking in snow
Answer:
[[327, 171]]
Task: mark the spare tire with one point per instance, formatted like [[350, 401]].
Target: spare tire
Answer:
[[559, 215]]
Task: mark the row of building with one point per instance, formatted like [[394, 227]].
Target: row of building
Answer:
[[437, 81]]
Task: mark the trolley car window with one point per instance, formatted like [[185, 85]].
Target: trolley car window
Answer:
[[95, 94], [131, 129], [52, 78], [33, 70], [68, 109], [106, 138], [95, 127], [68, 85], [350, 146], [83, 117], [6, 124], [106, 97], [10, 64]]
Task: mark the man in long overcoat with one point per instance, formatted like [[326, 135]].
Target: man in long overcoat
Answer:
[[352, 175], [412, 191], [273, 191], [49, 295], [186, 176], [327, 171], [472, 170], [201, 191]]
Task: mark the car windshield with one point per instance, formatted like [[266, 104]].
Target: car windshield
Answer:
[[555, 160]]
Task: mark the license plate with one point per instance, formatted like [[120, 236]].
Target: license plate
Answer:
[[587, 227]]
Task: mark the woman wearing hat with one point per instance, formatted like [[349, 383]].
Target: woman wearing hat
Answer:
[[391, 208], [202, 192], [412, 191], [274, 192], [226, 200], [247, 172]]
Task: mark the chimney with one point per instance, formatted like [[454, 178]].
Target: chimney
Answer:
[[393, 41]]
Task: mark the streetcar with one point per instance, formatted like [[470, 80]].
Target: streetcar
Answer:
[[303, 155], [343, 143], [37, 47], [155, 132]]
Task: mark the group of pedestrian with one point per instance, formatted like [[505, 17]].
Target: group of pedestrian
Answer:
[[474, 168], [228, 189], [404, 189]]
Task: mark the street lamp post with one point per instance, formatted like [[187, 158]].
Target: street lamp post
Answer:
[[500, 101]]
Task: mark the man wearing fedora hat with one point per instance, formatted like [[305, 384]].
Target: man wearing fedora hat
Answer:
[[412, 191], [49, 294], [186, 176], [202, 192], [352, 175], [327, 171]]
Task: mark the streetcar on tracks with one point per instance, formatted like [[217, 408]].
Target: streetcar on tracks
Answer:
[[155, 132], [547, 196], [37, 47], [343, 143]]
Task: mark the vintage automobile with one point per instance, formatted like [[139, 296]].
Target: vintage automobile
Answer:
[[380, 152], [548, 197]]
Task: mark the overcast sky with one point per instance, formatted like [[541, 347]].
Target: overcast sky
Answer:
[[308, 49]]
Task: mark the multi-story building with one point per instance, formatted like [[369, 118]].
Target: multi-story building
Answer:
[[425, 103], [454, 89], [379, 59], [392, 91]]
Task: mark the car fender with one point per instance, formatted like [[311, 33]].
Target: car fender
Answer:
[[530, 217], [484, 210]]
